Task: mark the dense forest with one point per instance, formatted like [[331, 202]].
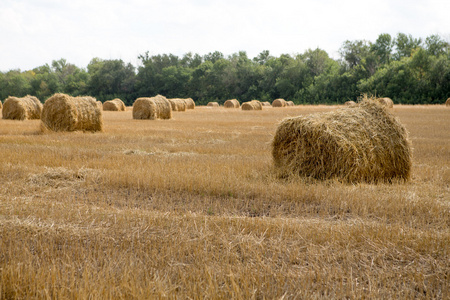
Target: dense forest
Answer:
[[409, 70]]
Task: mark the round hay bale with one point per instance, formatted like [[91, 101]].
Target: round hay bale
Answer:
[[252, 105], [62, 112], [26, 108], [279, 103], [447, 103], [99, 104], [386, 102], [190, 104], [348, 103], [232, 103], [213, 104], [178, 104], [114, 105], [1, 105], [152, 108], [353, 144], [266, 103], [290, 103]]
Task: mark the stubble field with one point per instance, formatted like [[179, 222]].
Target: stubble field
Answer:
[[190, 208]]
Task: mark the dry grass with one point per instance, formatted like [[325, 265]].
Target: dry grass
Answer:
[[189, 208]]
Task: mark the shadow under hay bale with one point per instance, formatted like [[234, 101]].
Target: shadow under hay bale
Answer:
[[279, 103], [62, 112], [26, 108], [114, 105], [213, 104], [152, 108], [252, 105], [232, 103], [178, 104], [357, 143]]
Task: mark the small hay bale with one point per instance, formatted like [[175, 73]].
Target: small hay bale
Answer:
[[1, 105], [62, 112], [114, 105], [352, 144], [178, 104], [279, 103], [447, 103], [232, 103], [349, 103], [252, 105], [99, 104], [213, 104], [190, 104], [290, 103], [26, 108], [152, 108], [266, 103], [386, 102]]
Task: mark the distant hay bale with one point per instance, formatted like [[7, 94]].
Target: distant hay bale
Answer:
[[232, 103], [62, 112], [152, 108], [213, 104], [178, 104], [386, 102], [190, 104], [266, 103], [1, 105], [357, 143], [252, 105], [99, 104], [447, 103], [290, 103], [279, 103], [114, 105], [26, 108], [348, 103]]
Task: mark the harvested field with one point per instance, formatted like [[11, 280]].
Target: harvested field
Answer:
[[191, 208]]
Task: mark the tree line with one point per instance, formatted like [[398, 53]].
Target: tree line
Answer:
[[408, 70]]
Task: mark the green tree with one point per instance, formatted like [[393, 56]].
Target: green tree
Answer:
[[436, 46], [405, 44]]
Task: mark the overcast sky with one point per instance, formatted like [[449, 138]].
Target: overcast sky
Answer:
[[35, 32]]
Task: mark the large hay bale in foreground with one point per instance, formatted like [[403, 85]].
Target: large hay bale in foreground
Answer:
[[114, 105], [62, 112], [213, 104], [447, 103], [190, 104], [152, 108], [386, 102], [252, 105], [232, 103], [26, 108], [279, 103], [178, 104], [355, 143]]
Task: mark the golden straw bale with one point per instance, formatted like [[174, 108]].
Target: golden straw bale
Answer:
[[213, 104], [190, 104], [28, 107], [232, 103], [386, 102], [290, 103], [266, 103], [357, 143], [99, 104], [252, 105], [447, 103], [152, 108], [279, 103], [62, 112], [178, 104], [114, 105], [348, 103], [1, 105]]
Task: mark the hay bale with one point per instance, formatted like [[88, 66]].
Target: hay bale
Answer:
[[26, 108], [178, 104], [213, 104], [279, 103], [266, 103], [232, 103], [290, 103], [355, 143], [99, 105], [252, 105], [190, 104], [349, 103], [1, 105], [447, 103], [114, 105], [152, 108], [62, 112], [386, 102]]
